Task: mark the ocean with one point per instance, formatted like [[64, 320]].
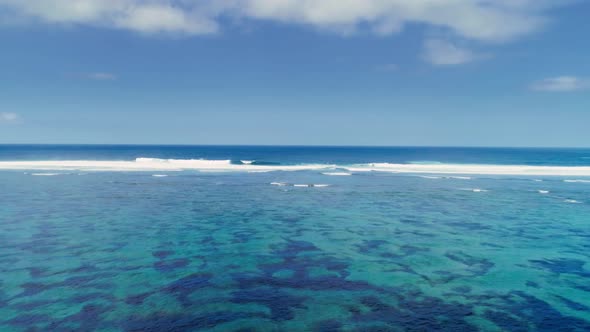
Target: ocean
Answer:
[[272, 238]]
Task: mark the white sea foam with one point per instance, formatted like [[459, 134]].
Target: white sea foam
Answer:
[[572, 201], [471, 169], [445, 177], [577, 181], [425, 162], [247, 162], [159, 175], [456, 171], [543, 191], [45, 174], [152, 164], [311, 185], [475, 190], [337, 173], [537, 180], [281, 184]]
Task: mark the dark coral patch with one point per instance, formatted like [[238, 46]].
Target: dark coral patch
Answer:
[[137, 299], [37, 272], [563, 265], [280, 303], [506, 321], [413, 250], [161, 254], [34, 305], [370, 245], [29, 320], [243, 236], [84, 269], [33, 288], [331, 325], [182, 323], [374, 304], [89, 317], [170, 265], [477, 266], [533, 314], [293, 248], [181, 288], [290, 220], [92, 297], [573, 304], [87, 280], [462, 289], [426, 314], [184, 287]]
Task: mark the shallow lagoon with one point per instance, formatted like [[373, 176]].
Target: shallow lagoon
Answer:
[[229, 251]]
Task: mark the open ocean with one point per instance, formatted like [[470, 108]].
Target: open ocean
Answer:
[[347, 246]]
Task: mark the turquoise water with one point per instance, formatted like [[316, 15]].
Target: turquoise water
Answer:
[[116, 251]]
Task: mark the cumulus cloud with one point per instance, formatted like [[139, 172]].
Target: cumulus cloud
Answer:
[[561, 84], [7, 117], [444, 53], [144, 16], [482, 20]]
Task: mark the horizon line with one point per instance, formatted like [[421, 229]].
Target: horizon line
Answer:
[[296, 145]]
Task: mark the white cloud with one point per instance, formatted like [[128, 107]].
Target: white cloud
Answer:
[[477, 19], [483, 20], [7, 117], [144, 16], [101, 76], [561, 84], [444, 53], [153, 18]]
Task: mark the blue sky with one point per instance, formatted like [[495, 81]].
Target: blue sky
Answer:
[[321, 72]]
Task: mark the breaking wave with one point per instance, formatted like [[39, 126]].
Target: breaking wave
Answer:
[[455, 171]]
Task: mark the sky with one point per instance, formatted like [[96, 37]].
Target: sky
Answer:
[[296, 72]]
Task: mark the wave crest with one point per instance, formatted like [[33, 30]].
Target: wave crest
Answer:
[[456, 171]]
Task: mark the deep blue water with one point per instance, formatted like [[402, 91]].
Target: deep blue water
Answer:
[[301, 154], [126, 251]]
